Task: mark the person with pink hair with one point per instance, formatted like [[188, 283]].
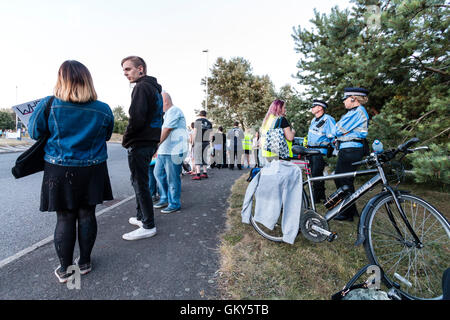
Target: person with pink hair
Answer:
[[276, 117]]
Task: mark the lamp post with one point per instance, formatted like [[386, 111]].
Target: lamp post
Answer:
[[17, 89], [206, 100]]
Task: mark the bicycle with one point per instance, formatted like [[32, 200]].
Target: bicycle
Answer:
[[402, 233]]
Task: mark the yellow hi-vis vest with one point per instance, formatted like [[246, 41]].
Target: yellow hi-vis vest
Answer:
[[247, 142], [267, 126]]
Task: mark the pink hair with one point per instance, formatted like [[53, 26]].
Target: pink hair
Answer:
[[275, 109]]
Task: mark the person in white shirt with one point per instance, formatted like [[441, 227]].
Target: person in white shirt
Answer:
[[172, 150]]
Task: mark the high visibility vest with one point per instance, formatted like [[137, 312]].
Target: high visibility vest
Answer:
[[247, 142]]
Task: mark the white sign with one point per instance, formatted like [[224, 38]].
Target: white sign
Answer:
[[25, 110], [13, 135]]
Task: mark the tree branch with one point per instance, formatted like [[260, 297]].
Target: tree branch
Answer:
[[420, 119], [429, 68], [448, 129]]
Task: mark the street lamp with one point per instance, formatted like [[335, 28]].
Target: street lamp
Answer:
[[17, 89], [206, 100]]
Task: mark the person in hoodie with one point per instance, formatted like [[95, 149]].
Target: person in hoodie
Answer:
[[141, 139]]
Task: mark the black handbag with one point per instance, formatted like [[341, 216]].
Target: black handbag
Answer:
[[32, 160]]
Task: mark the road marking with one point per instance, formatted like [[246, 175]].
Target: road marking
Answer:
[[49, 239]]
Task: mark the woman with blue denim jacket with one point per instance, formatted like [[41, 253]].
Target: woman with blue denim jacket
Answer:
[[75, 175]]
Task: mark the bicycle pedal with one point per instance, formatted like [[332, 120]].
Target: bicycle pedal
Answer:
[[332, 236]]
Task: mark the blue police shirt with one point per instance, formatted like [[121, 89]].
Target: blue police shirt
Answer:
[[353, 125], [321, 132]]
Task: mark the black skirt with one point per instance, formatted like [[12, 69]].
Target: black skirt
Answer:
[[68, 188]]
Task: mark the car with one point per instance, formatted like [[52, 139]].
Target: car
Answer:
[[298, 141]]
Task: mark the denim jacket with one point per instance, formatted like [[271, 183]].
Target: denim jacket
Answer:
[[78, 132]]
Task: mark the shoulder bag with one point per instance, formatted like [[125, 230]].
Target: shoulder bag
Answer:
[[32, 160], [276, 141]]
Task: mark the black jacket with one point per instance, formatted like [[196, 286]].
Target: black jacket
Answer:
[[146, 109]]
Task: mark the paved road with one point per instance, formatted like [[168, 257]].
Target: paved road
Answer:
[[179, 263], [21, 222]]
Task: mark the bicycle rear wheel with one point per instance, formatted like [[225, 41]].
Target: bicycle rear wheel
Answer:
[[418, 270], [276, 234]]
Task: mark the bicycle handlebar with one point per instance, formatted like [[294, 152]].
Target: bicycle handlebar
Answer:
[[403, 147], [388, 155]]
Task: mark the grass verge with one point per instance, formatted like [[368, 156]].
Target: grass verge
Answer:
[[255, 268]]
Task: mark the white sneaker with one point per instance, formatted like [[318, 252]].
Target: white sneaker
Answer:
[[134, 221], [140, 233]]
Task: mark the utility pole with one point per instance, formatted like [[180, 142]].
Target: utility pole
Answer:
[[206, 100], [17, 120]]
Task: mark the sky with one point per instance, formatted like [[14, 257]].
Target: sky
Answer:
[[36, 37]]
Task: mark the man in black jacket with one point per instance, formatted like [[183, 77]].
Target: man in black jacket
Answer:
[[141, 139]]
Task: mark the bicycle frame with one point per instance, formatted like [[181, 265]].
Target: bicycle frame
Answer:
[[351, 199]]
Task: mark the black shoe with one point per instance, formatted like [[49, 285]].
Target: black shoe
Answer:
[[63, 276], [84, 268], [342, 217]]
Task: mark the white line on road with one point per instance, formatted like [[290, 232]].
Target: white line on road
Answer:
[[50, 238]]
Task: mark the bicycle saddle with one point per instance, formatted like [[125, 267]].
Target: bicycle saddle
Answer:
[[299, 150]]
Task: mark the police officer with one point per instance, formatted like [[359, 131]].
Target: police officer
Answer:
[[320, 136], [351, 132]]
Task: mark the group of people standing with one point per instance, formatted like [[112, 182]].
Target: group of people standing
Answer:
[[78, 126], [347, 137], [209, 149]]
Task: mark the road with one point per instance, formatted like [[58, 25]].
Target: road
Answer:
[[21, 222]]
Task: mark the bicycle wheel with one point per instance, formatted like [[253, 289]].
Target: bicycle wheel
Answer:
[[418, 270], [276, 234]]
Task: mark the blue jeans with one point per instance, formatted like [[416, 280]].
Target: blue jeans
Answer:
[[167, 174]]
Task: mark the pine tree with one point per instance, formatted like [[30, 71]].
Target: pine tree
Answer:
[[401, 56]]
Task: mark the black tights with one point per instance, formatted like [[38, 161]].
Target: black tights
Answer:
[[66, 234]]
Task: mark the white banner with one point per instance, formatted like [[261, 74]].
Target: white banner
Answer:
[[25, 110]]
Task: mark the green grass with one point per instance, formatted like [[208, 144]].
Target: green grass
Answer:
[[255, 268]]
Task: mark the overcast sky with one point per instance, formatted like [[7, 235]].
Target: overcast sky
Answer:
[[37, 36]]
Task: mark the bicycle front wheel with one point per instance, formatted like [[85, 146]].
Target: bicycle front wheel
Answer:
[[418, 270], [276, 234]]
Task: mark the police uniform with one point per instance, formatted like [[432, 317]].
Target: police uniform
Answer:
[[320, 136], [350, 132]]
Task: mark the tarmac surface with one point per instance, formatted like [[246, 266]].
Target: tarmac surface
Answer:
[[179, 263]]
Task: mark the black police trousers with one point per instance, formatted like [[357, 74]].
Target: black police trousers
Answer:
[[346, 157], [317, 165]]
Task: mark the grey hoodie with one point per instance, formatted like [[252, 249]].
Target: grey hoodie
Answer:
[[278, 184]]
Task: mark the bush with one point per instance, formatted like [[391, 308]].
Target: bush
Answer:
[[433, 166], [120, 126], [7, 120]]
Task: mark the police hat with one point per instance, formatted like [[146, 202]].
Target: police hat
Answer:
[[355, 92], [321, 103]]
